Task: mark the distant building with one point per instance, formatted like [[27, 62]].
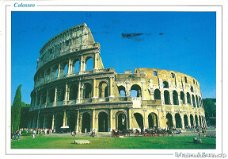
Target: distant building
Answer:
[[73, 89]]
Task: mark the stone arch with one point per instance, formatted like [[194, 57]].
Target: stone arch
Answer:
[[178, 120], [87, 90], [121, 121], [167, 97], [60, 93], [103, 122], [139, 120], [193, 101], [103, 89], [73, 91], [136, 91], [157, 94], [182, 97], [175, 98], [186, 121], [122, 91], [152, 120], [58, 121], [86, 122], [64, 69], [169, 121], [165, 84], [188, 98], [89, 63], [196, 120], [51, 95], [55, 72], [71, 117], [76, 66], [192, 90]]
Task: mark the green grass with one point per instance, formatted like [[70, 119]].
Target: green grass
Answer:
[[66, 142]]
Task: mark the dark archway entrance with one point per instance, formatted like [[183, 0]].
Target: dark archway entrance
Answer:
[[186, 121], [192, 121], [103, 122], [86, 122], [121, 121], [178, 120], [169, 122], [152, 120], [196, 119], [139, 120]]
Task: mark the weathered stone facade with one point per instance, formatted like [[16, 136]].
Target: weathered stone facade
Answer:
[[69, 93]]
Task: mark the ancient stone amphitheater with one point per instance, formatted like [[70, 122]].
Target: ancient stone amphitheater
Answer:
[[73, 89]]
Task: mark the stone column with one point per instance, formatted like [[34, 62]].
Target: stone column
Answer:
[[47, 98], [185, 98], [82, 64], [174, 120], [66, 98], [111, 81], [59, 70], [145, 117], [94, 121], [171, 97], [77, 121], [142, 89], [79, 92], [94, 95], [162, 97], [130, 118], [95, 60], [53, 122], [182, 121], [64, 118], [55, 98], [110, 120], [69, 67], [189, 121]]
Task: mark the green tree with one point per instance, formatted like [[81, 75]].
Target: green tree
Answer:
[[210, 110], [16, 110]]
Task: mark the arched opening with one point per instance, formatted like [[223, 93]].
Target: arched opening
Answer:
[[51, 95], [197, 101], [167, 97], [73, 91], [58, 122], [76, 67], [43, 97], [196, 119], [192, 90], [186, 121], [103, 122], [192, 121], [89, 64], [65, 69], [169, 121], [61, 93], [122, 91], [165, 84], [136, 91], [71, 117], [178, 120], [157, 94], [188, 98], [182, 97], [193, 101], [87, 91], [56, 72], [121, 121], [48, 120], [175, 98], [86, 122], [200, 121], [103, 89], [139, 120], [153, 120]]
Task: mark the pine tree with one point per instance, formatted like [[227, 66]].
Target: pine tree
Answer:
[[16, 110]]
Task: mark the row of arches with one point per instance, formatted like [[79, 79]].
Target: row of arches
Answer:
[[66, 68], [84, 122], [69, 92]]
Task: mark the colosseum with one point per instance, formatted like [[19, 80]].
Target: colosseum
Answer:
[[73, 89]]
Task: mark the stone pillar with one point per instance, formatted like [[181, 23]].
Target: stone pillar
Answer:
[[82, 64], [64, 118], [79, 92], [162, 97], [130, 118], [189, 121], [145, 121], [47, 94], [53, 122], [185, 98], [110, 120], [55, 98], [171, 97], [69, 67], [95, 60], [182, 121], [94, 121], [111, 81], [77, 121], [94, 95], [174, 120], [142, 89], [66, 98], [59, 70]]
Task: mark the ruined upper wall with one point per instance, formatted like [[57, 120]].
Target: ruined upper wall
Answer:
[[72, 40]]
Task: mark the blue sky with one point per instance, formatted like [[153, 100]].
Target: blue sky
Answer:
[[179, 41]]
